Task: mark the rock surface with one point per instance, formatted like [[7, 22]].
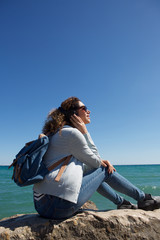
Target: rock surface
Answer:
[[90, 224]]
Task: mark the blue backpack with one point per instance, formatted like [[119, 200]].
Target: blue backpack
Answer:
[[29, 167]]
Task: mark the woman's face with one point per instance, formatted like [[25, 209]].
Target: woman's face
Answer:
[[83, 113]]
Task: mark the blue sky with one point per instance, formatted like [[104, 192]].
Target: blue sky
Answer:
[[106, 52]]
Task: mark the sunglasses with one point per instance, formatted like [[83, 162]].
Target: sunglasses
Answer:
[[84, 108]]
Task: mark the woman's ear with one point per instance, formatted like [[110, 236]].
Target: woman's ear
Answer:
[[75, 112]]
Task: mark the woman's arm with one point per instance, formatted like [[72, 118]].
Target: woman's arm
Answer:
[[80, 150], [79, 124], [91, 144]]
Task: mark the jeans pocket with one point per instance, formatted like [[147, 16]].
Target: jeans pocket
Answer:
[[44, 205], [61, 213], [54, 207]]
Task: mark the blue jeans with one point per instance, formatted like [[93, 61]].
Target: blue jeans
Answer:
[[95, 180]]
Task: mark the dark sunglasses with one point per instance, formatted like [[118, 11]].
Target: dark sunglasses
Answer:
[[84, 108]]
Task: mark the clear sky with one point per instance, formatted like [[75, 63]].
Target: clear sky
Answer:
[[106, 52]]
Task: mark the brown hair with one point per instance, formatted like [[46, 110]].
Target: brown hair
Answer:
[[57, 118]]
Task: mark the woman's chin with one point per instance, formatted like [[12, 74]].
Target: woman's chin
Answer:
[[88, 121]]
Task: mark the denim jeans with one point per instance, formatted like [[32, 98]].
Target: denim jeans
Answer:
[[96, 180]]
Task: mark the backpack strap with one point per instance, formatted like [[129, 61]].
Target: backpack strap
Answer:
[[65, 161]]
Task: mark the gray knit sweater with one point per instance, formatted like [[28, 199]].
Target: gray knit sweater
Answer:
[[69, 142]]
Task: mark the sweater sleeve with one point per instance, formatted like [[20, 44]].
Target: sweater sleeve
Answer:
[[80, 149], [91, 144]]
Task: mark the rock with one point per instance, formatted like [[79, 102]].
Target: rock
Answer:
[[89, 205], [89, 224]]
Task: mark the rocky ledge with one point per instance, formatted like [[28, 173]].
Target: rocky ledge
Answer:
[[89, 224]]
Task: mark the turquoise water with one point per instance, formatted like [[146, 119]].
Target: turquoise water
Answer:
[[16, 200]]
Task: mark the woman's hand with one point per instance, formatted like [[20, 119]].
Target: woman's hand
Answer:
[[41, 135], [78, 123], [106, 163]]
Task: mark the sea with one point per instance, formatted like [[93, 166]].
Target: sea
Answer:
[[19, 200]]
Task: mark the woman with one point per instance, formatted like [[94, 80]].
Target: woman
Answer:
[[85, 173]]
